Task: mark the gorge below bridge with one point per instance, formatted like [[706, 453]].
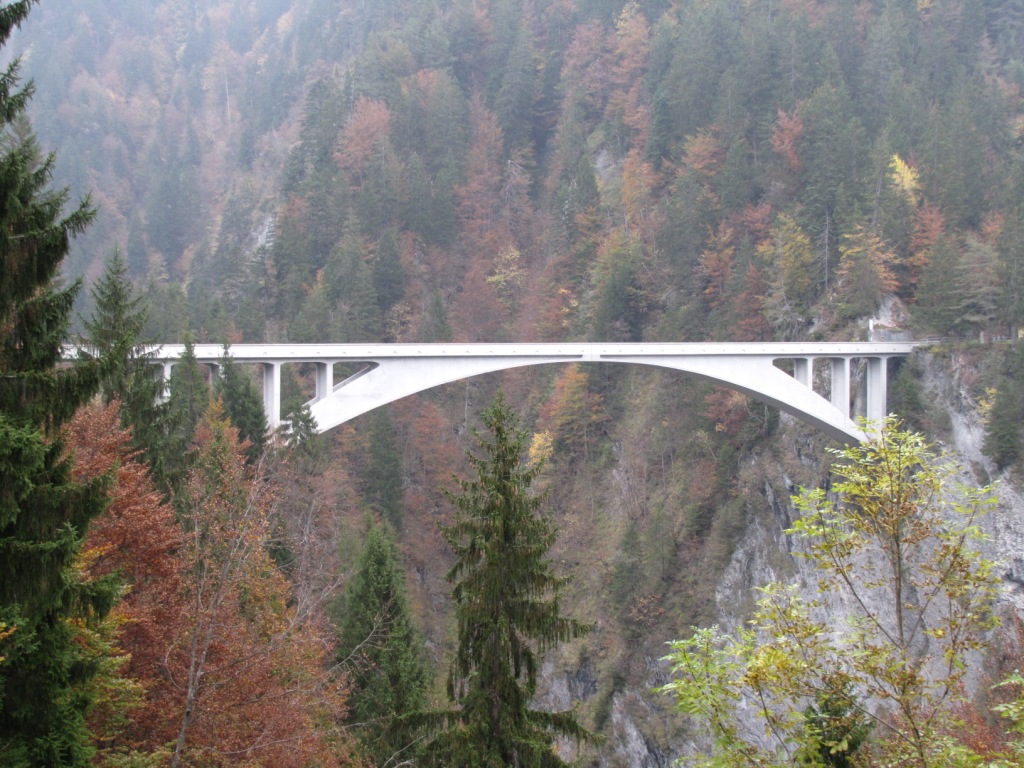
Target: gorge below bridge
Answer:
[[782, 375]]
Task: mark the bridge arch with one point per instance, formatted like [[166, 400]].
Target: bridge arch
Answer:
[[394, 371]]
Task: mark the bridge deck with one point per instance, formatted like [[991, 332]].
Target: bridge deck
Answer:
[[258, 353], [393, 371]]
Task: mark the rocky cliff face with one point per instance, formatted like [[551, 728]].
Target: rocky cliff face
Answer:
[[642, 729]]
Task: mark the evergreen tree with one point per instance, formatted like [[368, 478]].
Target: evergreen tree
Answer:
[[114, 333], [384, 475], [507, 611], [436, 326], [937, 306], [306, 446], [243, 406], [137, 256], [388, 280], [383, 650], [1006, 419], [190, 396], [1011, 271], [44, 513], [189, 400]]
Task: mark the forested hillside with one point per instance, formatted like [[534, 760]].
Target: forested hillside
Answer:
[[538, 170]]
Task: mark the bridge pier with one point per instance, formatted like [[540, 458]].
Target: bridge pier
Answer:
[[803, 370], [165, 388], [841, 385], [324, 380], [272, 393], [876, 388]]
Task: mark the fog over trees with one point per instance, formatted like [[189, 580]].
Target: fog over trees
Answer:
[[178, 587]]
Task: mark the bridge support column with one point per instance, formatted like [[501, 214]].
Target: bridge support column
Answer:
[[841, 385], [876, 388], [324, 380], [165, 381], [272, 394], [803, 371]]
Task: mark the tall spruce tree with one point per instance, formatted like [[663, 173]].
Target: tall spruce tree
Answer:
[[384, 489], [114, 333], [507, 610], [186, 406], [43, 512], [243, 405], [383, 650]]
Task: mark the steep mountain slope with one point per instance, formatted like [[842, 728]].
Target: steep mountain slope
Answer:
[[405, 170]]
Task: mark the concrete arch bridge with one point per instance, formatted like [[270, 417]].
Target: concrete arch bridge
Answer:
[[779, 374]]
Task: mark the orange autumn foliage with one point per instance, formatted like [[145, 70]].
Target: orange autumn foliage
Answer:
[[573, 412], [365, 135], [479, 197], [138, 538], [246, 670], [750, 323], [703, 153], [228, 668], [716, 266], [789, 129], [929, 226]]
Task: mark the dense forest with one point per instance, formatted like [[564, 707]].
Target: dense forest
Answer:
[[487, 170]]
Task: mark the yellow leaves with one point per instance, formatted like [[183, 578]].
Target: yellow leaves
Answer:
[[789, 256], [508, 276], [768, 665], [541, 447], [573, 410], [904, 178], [986, 402], [883, 536]]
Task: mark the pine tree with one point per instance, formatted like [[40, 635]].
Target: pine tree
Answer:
[[114, 329], [507, 611], [114, 333], [937, 306], [243, 406], [384, 475], [188, 402], [44, 513], [388, 280], [383, 650], [1006, 419]]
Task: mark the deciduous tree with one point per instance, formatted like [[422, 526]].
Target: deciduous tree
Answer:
[[245, 672], [898, 542], [136, 539], [865, 272], [573, 412]]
